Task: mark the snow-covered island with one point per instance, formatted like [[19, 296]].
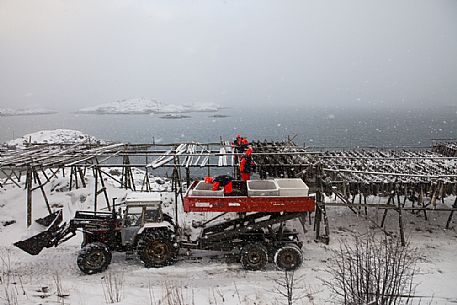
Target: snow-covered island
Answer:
[[174, 116], [219, 116], [28, 111], [147, 106], [56, 136]]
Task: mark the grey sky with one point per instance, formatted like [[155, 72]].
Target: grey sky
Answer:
[[70, 54]]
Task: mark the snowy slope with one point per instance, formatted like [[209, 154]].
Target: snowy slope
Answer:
[[65, 136]]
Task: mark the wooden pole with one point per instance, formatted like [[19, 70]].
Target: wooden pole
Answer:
[[75, 173], [454, 206], [29, 182], [385, 211], [360, 203], [384, 218], [448, 223], [317, 222], [71, 177], [188, 177], [9, 177], [81, 176], [176, 190], [421, 201], [146, 183], [123, 175], [96, 188], [42, 191], [44, 174], [326, 224], [400, 224], [103, 189]]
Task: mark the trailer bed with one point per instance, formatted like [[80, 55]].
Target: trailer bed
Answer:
[[244, 203]]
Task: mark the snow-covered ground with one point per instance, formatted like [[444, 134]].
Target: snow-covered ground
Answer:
[[32, 111], [32, 279], [145, 106], [27, 280]]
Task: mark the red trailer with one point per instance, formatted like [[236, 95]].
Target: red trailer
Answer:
[[259, 233], [239, 201]]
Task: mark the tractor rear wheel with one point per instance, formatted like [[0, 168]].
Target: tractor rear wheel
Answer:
[[94, 257], [288, 257], [254, 256], [158, 248]]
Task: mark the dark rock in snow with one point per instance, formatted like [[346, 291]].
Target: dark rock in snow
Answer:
[[60, 186], [115, 172], [8, 222]]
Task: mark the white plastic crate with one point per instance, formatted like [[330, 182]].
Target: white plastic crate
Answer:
[[206, 189], [292, 187], [262, 188]]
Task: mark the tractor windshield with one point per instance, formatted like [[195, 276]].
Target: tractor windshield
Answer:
[[152, 214], [133, 217]]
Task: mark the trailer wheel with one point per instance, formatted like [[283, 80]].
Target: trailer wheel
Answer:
[[254, 257], [157, 248], [94, 257], [288, 257]]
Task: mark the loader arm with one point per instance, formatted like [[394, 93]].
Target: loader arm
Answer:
[[55, 234]]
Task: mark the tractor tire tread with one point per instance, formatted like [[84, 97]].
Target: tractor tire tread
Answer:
[[87, 250]]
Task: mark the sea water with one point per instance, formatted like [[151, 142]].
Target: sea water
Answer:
[[316, 127]]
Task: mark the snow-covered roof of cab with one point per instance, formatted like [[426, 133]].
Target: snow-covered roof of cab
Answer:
[[143, 197]]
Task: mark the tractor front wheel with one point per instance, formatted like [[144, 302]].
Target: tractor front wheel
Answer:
[[158, 248], [94, 257]]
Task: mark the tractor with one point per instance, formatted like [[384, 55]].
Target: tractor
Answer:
[[141, 228]]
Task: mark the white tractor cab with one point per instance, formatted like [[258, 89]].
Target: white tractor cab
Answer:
[[143, 210]]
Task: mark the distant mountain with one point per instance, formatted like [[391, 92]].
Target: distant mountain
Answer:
[[29, 111], [147, 106], [205, 107], [130, 106]]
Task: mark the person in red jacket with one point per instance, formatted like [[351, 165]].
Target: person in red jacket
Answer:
[[246, 165], [240, 145], [224, 181]]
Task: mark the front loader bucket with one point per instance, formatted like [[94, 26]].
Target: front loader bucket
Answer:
[[35, 244]]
